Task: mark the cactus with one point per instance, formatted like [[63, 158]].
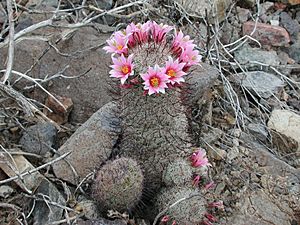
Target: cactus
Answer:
[[190, 206], [178, 173], [118, 185], [151, 62]]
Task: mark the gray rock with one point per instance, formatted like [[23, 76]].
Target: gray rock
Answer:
[[260, 209], [258, 130], [261, 83], [216, 8], [286, 123], [39, 138], [281, 177], [247, 57], [46, 213], [243, 14], [247, 3], [294, 52], [89, 92], [105, 4], [88, 209], [3, 16], [5, 191], [91, 144], [101, 222], [292, 26]]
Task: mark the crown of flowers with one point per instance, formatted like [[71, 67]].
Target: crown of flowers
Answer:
[[150, 54]]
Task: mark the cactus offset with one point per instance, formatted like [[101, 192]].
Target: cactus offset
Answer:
[[189, 211], [118, 185]]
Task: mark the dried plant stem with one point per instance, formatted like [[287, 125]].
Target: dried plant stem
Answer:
[[11, 48], [35, 169]]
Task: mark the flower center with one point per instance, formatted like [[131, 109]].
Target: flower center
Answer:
[[119, 47], [125, 69], [154, 81], [171, 73]]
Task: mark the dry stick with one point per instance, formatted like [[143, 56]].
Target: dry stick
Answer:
[[11, 48], [35, 169], [11, 206], [40, 86]]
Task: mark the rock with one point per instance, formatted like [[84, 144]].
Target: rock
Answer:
[[258, 130], [247, 3], [233, 153], [82, 54], [3, 16], [101, 222], [200, 81], [293, 2], [88, 208], [39, 139], [284, 58], [261, 83], [46, 213], [267, 34], [282, 178], [263, 9], [258, 208], [247, 57], [3, 176], [18, 163], [216, 9], [230, 32], [91, 144], [105, 4], [294, 52], [5, 191], [243, 14], [286, 123], [59, 113], [217, 153], [292, 26]]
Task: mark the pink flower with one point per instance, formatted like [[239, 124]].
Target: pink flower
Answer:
[[199, 158], [210, 217], [159, 31], [190, 56], [196, 180], [117, 44], [181, 42], [122, 68], [218, 205], [155, 80], [165, 219], [138, 34], [206, 222], [174, 70], [174, 222], [209, 185]]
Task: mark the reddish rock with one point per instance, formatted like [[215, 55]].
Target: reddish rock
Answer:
[[294, 2], [267, 34], [59, 113]]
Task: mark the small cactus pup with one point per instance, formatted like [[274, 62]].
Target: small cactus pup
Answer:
[[184, 205], [152, 62], [118, 185]]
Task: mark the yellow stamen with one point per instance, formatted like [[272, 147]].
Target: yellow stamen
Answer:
[[171, 73], [154, 81], [125, 69], [119, 47]]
